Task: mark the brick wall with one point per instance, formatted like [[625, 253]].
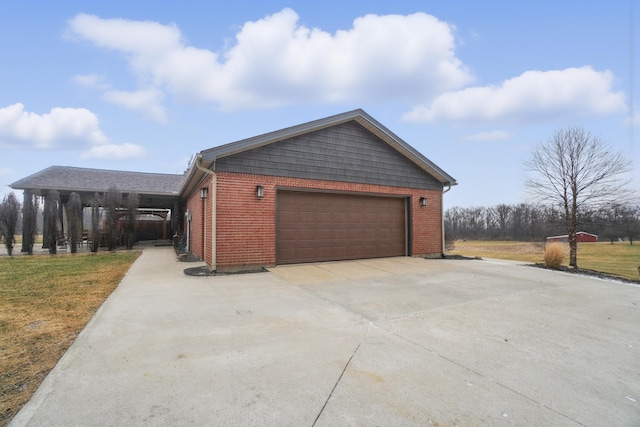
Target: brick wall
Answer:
[[246, 225], [197, 207]]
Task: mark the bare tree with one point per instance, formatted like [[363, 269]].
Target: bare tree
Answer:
[[74, 215], [50, 232], [9, 211], [577, 172], [95, 223], [133, 203], [111, 202]]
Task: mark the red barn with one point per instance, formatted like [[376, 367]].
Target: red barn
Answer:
[[581, 237]]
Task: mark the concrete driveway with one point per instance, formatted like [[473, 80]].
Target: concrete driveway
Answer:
[[388, 342]]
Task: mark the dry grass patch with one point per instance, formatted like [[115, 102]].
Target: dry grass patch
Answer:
[[517, 251], [45, 301], [618, 259]]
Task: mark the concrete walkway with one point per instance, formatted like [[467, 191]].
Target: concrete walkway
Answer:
[[398, 341]]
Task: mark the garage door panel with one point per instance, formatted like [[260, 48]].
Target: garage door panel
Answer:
[[305, 254], [306, 234], [341, 252], [289, 235], [307, 218], [342, 233], [323, 234], [288, 216], [356, 218], [324, 217], [322, 227], [340, 218]]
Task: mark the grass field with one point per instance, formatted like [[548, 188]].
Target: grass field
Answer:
[[619, 259], [45, 301]]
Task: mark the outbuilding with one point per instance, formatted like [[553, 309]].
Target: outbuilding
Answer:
[[581, 237], [339, 188], [159, 194]]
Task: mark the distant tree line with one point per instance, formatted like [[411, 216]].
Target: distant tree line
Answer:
[[532, 222]]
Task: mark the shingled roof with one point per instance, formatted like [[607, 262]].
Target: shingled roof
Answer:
[[358, 116], [65, 178], [156, 190]]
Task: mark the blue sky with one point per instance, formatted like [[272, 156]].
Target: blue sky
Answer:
[[472, 85]]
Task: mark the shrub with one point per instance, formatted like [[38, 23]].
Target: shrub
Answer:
[[9, 210], [74, 221], [132, 204], [554, 254], [50, 233], [30, 221], [96, 232], [111, 201]]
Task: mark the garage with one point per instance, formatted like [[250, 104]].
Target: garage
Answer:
[[337, 188], [316, 226]]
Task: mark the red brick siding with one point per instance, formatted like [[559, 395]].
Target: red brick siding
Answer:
[[246, 225]]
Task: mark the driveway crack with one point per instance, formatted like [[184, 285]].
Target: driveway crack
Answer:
[[538, 403], [336, 384]]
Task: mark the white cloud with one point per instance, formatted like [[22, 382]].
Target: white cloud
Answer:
[[276, 61], [532, 96], [114, 152], [147, 101], [61, 128], [91, 80], [494, 135], [132, 37]]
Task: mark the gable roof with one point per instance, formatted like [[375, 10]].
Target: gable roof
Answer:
[[208, 157]]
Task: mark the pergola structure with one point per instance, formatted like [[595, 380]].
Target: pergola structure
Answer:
[[157, 192]]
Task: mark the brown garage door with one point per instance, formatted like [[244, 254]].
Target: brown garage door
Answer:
[[326, 227]]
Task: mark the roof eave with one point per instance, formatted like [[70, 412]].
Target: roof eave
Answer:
[[194, 176]]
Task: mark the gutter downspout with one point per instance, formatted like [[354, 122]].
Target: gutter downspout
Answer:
[[214, 192], [442, 214]]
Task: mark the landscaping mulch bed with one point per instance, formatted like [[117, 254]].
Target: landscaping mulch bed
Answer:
[[447, 256], [205, 271]]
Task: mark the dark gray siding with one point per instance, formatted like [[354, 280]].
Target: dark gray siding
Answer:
[[345, 152]]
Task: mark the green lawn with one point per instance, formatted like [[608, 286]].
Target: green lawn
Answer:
[[45, 301], [620, 259]]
